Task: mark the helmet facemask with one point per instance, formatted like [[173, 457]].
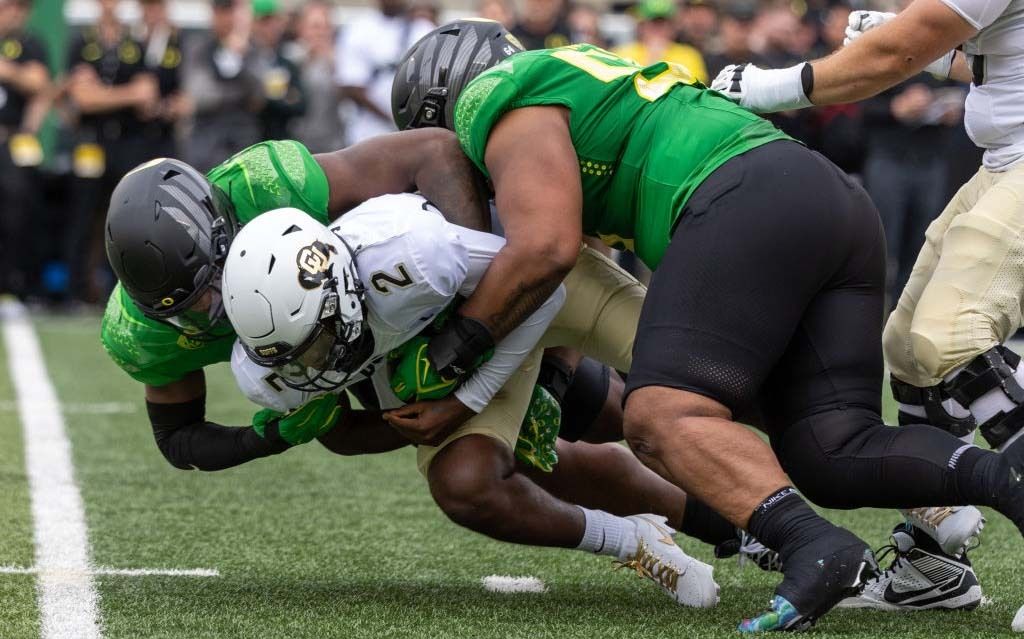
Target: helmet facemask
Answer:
[[339, 345]]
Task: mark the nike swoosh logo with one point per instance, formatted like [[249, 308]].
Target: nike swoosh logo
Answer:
[[894, 596], [1015, 474], [666, 537]]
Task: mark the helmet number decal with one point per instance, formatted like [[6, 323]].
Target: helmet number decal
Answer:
[[382, 281], [314, 262]]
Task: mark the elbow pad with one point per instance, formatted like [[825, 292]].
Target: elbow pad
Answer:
[[168, 419]]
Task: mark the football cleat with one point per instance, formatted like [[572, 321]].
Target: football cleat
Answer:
[[749, 551], [954, 528], [817, 577], [921, 577], [657, 557]]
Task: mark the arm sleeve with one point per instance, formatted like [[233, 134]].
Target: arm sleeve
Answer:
[[189, 442], [510, 352], [978, 13]]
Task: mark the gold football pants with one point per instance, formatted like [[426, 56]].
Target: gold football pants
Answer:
[[964, 294]]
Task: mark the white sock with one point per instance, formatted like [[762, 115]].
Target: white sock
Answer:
[[607, 534]]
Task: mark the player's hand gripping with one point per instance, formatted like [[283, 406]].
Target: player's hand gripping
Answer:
[[429, 422], [301, 425]]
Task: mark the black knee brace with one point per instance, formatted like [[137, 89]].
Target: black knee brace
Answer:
[[991, 370], [930, 398], [581, 393]]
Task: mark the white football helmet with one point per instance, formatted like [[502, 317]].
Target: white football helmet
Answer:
[[293, 295]]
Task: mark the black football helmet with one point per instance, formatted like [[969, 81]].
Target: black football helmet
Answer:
[[436, 69], [167, 235]]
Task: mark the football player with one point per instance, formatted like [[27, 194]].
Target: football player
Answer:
[[944, 340], [766, 292], [318, 310], [168, 231]]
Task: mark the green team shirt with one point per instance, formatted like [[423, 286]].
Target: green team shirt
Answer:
[[263, 177], [646, 137]]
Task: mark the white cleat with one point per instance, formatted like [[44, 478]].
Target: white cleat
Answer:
[[954, 528], [688, 581], [920, 579]]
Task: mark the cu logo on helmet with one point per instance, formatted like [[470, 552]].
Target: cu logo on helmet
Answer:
[[314, 264]]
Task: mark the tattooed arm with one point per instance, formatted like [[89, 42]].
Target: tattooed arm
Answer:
[[533, 166], [429, 160]]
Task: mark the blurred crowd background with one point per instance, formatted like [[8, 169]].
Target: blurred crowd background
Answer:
[[89, 90]]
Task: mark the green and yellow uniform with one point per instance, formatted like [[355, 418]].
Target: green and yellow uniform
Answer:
[[263, 177], [646, 137]]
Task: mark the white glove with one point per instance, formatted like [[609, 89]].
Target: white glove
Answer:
[[763, 90], [862, 21]]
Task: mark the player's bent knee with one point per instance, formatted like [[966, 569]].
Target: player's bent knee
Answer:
[[467, 482]]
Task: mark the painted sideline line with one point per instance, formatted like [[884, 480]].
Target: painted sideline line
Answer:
[[65, 589], [124, 572], [81, 408]]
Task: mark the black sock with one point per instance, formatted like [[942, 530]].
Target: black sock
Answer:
[[986, 478], [784, 522], [703, 523]]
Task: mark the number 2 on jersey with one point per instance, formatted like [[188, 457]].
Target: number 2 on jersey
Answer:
[[606, 67]]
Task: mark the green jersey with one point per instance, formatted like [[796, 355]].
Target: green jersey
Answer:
[[263, 177], [645, 137]]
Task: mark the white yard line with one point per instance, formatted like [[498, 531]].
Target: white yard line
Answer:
[[507, 585], [67, 598], [82, 408], [124, 572]]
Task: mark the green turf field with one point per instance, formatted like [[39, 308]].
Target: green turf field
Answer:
[[313, 545]]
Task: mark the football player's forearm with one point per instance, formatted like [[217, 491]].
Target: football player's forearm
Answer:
[[362, 432], [516, 284], [884, 56], [426, 159], [453, 184], [189, 442], [509, 354]]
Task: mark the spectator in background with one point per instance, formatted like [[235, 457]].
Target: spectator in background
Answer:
[[908, 127], [367, 55], [696, 24], [837, 129], [320, 129], [227, 93], [656, 40], [542, 25], [428, 10], [23, 77], [498, 10], [163, 57], [734, 37], [109, 86], [585, 25], [283, 94]]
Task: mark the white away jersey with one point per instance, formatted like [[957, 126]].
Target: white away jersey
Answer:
[[412, 264], [994, 114]]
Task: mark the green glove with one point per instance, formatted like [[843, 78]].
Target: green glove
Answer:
[[413, 377], [539, 432], [301, 425]]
